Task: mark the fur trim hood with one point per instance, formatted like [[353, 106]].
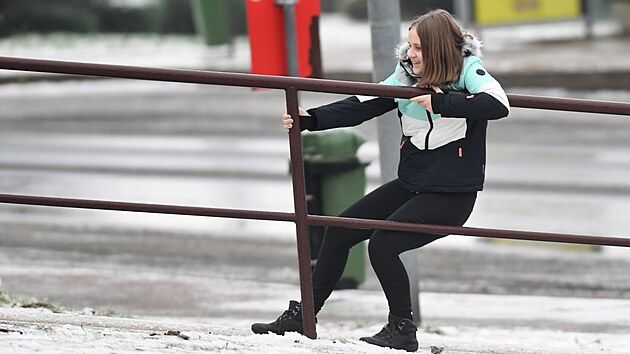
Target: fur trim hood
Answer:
[[471, 46]]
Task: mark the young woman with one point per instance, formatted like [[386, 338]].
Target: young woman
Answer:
[[441, 167]]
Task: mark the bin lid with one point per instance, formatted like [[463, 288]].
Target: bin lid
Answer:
[[337, 145]]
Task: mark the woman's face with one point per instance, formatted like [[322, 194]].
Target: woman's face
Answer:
[[415, 51]]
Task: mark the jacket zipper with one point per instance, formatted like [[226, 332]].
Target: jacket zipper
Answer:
[[426, 137]]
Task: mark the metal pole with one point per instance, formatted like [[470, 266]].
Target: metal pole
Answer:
[[464, 13], [301, 222], [290, 37], [384, 17], [589, 19]]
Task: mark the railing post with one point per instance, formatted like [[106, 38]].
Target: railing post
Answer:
[[301, 221]]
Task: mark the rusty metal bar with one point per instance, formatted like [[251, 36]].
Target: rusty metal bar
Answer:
[[145, 207], [319, 220], [301, 222], [275, 82], [204, 77], [569, 104]]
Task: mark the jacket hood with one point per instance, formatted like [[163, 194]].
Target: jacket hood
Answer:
[[471, 46]]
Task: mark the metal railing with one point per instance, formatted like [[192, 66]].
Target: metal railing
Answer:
[[300, 217]]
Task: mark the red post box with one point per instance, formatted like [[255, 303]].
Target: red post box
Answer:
[[265, 24]]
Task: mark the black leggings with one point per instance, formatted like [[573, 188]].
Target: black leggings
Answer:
[[395, 203]]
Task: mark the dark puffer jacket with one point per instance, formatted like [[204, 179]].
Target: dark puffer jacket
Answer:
[[440, 152]]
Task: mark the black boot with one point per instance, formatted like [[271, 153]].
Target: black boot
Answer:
[[289, 321], [398, 333]]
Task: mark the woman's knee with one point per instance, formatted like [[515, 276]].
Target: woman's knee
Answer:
[[379, 246]]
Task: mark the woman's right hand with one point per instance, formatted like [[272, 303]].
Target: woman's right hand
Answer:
[[287, 121]]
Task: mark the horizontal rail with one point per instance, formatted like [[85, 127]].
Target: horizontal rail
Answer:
[[569, 104], [316, 220], [278, 82], [144, 207], [204, 77], [319, 220]]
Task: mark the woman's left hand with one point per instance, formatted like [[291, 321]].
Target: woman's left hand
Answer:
[[425, 100]]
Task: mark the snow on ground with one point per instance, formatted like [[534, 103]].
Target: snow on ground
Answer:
[[40, 330]]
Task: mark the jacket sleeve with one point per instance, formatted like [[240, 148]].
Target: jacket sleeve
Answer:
[[485, 98], [348, 112]]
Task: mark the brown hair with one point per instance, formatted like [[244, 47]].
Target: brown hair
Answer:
[[441, 39]]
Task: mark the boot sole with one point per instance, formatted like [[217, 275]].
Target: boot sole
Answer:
[[263, 329], [411, 347]]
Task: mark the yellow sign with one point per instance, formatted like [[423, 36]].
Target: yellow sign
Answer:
[[493, 12]]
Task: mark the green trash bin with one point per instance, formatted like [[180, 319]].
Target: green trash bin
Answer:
[[335, 179], [212, 20]]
